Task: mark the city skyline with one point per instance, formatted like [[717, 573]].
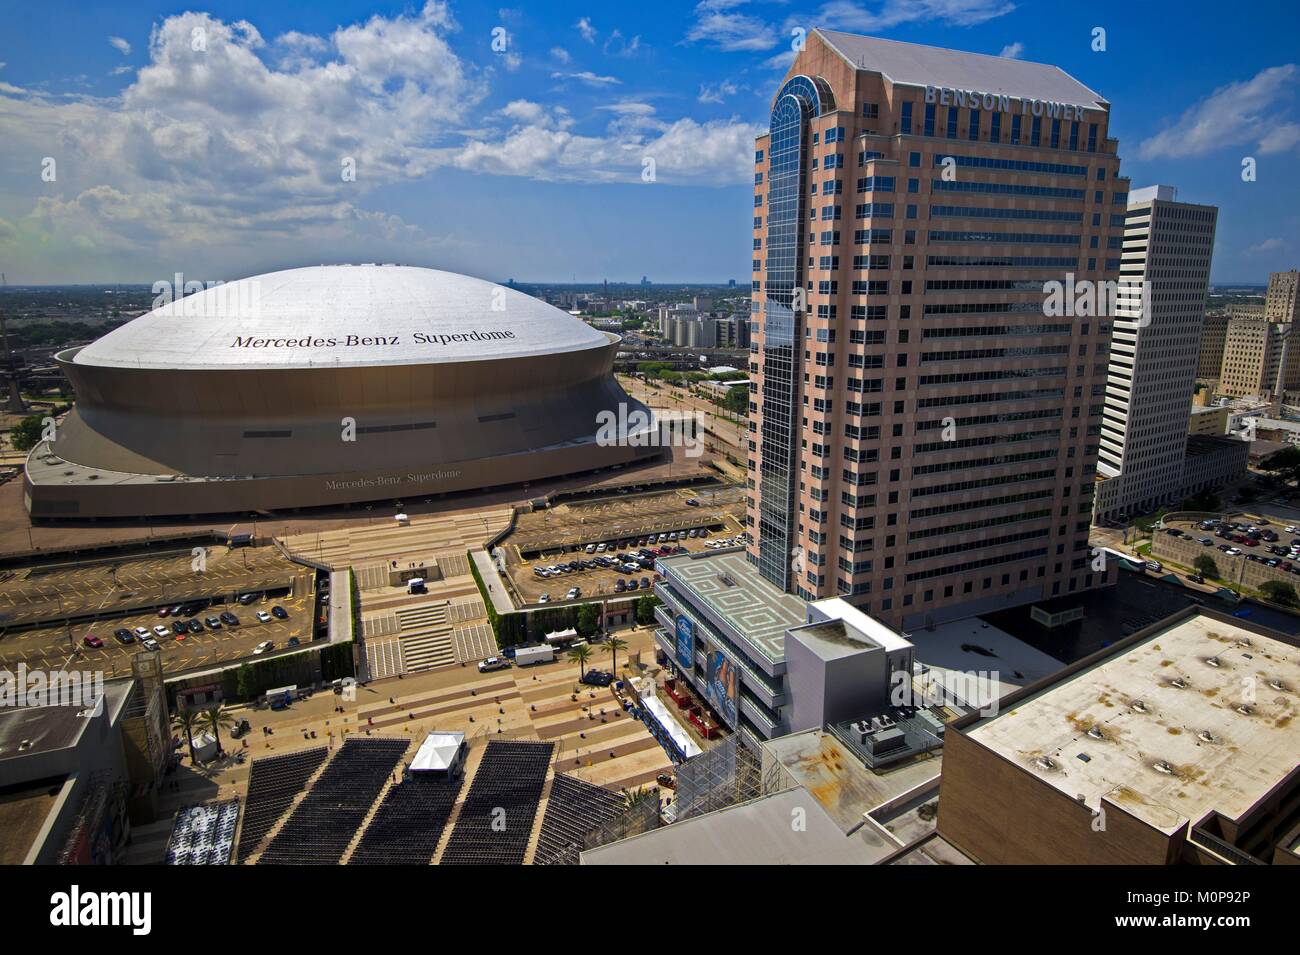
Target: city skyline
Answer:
[[528, 161]]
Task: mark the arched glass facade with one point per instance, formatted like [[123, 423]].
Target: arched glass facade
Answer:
[[800, 100]]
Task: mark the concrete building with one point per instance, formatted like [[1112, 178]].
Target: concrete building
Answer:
[[789, 665], [1176, 744], [1282, 301], [1211, 462], [1212, 421], [733, 332], [326, 386], [72, 776], [1252, 353], [925, 439], [1214, 335], [1154, 350]]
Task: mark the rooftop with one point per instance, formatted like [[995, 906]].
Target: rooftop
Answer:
[[730, 586], [757, 832], [345, 315], [919, 65], [1197, 717]]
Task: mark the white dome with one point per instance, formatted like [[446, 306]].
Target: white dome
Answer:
[[343, 315]]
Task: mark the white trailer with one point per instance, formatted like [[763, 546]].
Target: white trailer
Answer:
[[527, 655]]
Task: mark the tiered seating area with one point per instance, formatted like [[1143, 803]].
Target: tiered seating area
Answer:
[[510, 780], [203, 835], [408, 824], [329, 816], [573, 809], [272, 785]]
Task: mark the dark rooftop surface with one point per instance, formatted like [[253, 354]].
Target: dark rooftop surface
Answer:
[[1136, 601]]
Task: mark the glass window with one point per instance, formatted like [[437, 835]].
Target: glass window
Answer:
[[906, 124], [929, 119]]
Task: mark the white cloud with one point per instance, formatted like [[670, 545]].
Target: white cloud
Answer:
[[717, 25], [585, 28], [780, 61], [122, 46], [1268, 245], [560, 54], [619, 45], [846, 15], [1013, 51], [717, 92], [1239, 114], [588, 77]]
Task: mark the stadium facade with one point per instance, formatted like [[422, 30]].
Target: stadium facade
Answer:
[[325, 386]]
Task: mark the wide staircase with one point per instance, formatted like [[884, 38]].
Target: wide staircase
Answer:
[[426, 636]]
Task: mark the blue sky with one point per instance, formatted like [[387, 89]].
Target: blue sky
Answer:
[[212, 138]]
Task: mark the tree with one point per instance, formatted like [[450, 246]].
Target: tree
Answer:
[[588, 619], [614, 644], [28, 432], [634, 797], [216, 718], [1205, 566], [645, 609], [1284, 463], [187, 721], [580, 655], [1280, 592]]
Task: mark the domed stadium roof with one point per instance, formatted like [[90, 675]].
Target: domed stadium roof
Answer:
[[343, 316]]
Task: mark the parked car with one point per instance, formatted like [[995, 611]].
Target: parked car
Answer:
[[92, 641], [213, 623], [161, 631], [597, 678], [164, 611], [544, 599], [194, 626], [264, 617], [493, 663], [229, 619], [294, 641], [180, 628], [149, 643], [124, 636], [1196, 578], [264, 647]]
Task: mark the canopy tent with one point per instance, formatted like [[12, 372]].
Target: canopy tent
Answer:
[[440, 752]]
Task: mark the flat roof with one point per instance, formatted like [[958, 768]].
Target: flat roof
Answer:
[[1189, 749], [840, 782], [751, 833], [23, 810], [953, 652], [920, 65], [30, 730], [755, 608]]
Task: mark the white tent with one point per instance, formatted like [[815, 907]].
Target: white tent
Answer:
[[560, 636], [205, 748], [440, 752]]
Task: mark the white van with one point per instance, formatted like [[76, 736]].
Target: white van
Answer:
[[415, 585]]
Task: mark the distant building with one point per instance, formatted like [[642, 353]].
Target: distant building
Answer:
[[1214, 335], [1282, 301], [1154, 350], [1208, 421]]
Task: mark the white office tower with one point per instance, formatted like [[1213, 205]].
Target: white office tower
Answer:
[[1154, 350]]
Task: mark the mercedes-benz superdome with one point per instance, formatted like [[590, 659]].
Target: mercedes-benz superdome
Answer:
[[329, 385]]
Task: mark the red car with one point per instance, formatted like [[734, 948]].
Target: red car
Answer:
[[92, 641], [164, 611]]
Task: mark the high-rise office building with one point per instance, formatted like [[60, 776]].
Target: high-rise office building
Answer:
[[1214, 336], [1282, 301], [1155, 345], [924, 435]]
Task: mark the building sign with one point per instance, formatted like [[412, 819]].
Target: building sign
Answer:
[[720, 689], [1001, 102], [685, 643]]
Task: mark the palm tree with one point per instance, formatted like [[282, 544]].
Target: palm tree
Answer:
[[615, 645], [580, 655], [187, 721], [634, 797], [215, 718]]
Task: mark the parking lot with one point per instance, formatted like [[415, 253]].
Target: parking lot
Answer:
[[48, 611], [52, 647], [598, 572], [1245, 552], [55, 591], [618, 517]]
